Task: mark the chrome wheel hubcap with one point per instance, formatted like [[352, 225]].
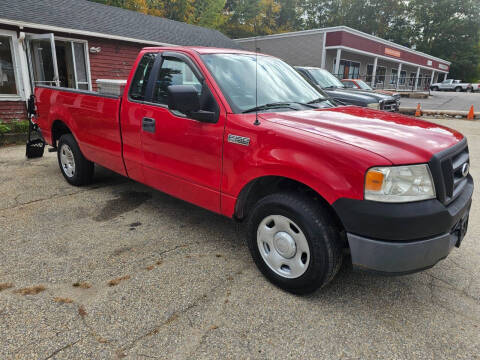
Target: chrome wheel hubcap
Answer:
[[67, 160], [283, 246]]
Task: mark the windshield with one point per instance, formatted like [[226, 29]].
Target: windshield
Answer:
[[324, 79], [277, 81], [363, 85]]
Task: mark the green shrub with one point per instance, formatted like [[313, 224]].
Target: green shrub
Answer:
[[4, 128], [20, 126], [14, 127]]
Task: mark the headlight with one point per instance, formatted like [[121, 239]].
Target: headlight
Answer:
[[399, 183], [374, 106]]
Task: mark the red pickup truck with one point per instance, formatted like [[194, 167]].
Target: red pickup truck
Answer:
[[244, 135]]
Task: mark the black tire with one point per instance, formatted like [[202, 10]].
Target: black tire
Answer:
[[469, 90], [458, 89], [320, 230], [435, 88], [83, 168]]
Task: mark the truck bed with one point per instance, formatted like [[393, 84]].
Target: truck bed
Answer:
[[92, 117]]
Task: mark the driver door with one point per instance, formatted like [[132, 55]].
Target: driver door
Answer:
[[182, 156]]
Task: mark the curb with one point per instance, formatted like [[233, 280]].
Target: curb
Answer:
[[448, 113], [414, 95]]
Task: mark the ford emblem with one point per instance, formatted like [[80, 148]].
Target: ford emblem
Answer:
[[465, 169]]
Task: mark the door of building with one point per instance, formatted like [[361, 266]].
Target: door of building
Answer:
[[58, 61], [42, 60]]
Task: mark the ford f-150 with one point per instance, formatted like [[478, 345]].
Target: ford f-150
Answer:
[[244, 135]]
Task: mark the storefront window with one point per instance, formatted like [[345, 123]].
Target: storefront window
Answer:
[[8, 84], [403, 76], [393, 78], [348, 69], [368, 78], [380, 75], [412, 78]]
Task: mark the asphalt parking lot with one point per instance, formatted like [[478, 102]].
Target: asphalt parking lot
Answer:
[[118, 270], [443, 100]]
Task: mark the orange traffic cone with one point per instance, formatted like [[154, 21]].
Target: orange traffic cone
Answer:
[[471, 114], [419, 111]]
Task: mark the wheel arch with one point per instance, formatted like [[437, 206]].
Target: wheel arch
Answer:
[[262, 186], [59, 128]]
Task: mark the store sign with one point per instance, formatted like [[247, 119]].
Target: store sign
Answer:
[[392, 52], [443, 66], [429, 62]]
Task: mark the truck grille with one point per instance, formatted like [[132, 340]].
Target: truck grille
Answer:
[[388, 105], [447, 167]]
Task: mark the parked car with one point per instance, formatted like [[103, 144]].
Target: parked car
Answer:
[[337, 91], [359, 84], [454, 85], [309, 180]]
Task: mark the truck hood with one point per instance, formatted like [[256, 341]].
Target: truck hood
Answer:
[[398, 138]]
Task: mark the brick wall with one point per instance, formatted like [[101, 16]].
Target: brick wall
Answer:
[[114, 61], [12, 110]]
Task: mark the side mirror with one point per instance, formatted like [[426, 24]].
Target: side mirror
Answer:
[[185, 99]]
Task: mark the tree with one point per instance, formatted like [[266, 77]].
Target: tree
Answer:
[[449, 29], [210, 13]]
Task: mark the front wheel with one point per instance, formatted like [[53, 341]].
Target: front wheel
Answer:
[[76, 169], [435, 88], [295, 242], [458, 89]]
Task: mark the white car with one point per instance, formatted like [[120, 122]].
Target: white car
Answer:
[[454, 85]]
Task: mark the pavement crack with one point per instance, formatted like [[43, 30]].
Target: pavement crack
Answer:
[[54, 196], [62, 349], [461, 292], [203, 298], [91, 331], [171, 249]]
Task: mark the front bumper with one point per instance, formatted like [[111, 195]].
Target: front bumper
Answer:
[[401, 257], [403, 238], [391, 106]]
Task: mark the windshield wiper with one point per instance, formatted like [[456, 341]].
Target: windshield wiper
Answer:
[[317, 100], [276, 105]]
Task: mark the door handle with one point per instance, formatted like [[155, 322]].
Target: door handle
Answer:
[[148, 125]]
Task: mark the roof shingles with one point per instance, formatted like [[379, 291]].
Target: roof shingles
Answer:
[[109, 20]]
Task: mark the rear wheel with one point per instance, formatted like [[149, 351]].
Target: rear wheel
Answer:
[[469, 90], [76, 169], [295, 242]]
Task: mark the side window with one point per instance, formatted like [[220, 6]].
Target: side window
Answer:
[[349, 84], [173, 72], [176, 72], [140, 80]]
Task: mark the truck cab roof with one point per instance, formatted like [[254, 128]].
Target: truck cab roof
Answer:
[[203, 50]]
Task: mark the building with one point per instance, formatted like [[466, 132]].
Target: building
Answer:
[[349, 53], [72, 43]]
